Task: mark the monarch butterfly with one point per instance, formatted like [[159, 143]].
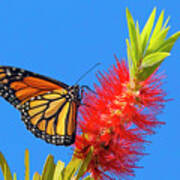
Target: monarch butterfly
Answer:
[[48, 107]]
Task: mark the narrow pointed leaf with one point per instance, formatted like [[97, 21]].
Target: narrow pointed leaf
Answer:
[[143, 75], [49, 168], [36, 176], [169, 43], [26, 163], [133, 38], [129, 58], [14, 176], [71, 168], [138, 38], [166, 22], [5, 168], [157, 41], [147, 30], [153, 59], [58, 173], [85, 164], [158, 25]]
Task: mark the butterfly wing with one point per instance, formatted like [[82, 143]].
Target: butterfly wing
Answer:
[[42, 101], [51, 117]]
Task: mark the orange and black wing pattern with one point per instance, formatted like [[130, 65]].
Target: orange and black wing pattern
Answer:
[[48, 107]]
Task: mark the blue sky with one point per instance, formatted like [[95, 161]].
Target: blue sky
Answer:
[[63, 39]]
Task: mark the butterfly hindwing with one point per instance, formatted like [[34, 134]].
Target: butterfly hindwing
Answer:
[[48, 107], [50, 117]]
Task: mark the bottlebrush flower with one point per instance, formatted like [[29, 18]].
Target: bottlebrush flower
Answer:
[[116, 119]]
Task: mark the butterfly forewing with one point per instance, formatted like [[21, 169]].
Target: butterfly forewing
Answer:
[[48, 108]]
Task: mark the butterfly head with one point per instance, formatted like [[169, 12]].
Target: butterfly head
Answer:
[[74, 93]]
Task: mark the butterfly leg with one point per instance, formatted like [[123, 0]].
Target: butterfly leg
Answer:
[[88, 88]]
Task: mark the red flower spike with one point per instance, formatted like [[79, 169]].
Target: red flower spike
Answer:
[[116, 121]]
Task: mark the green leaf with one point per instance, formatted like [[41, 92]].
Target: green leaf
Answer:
[[146, 72], [133, 38], [145, 51], [166, 22], [49, 167], [5, 168], [157, 41], [158, 25], [14, 176], [26, 163], [88, 178], [71, 168], [147, 30], [36, 176], [169, 43], [131, 68], [153, 59], [138, 38], [58, 173], [85, 164]]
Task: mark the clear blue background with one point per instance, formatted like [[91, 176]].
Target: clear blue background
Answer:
[[62, 39]]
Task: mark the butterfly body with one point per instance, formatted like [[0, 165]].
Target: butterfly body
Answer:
[[48, 107]]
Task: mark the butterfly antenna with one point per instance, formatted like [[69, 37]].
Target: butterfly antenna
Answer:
[[81, 77]]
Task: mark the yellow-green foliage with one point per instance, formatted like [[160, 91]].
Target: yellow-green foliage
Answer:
[[5, 168], [51, 171], [147, 50]]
